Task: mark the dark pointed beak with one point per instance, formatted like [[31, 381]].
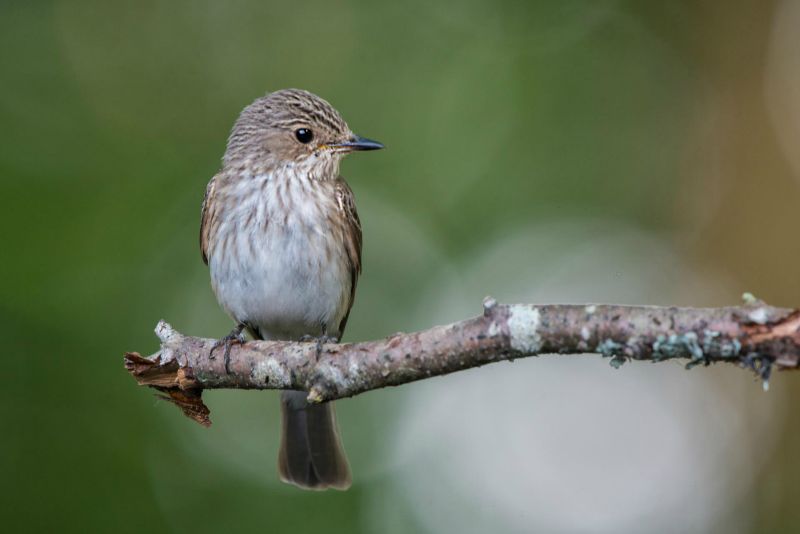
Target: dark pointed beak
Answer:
[[358, 143]]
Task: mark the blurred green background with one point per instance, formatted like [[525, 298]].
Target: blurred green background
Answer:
[[636, 152]]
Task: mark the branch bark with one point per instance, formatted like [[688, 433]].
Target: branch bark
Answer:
[[754, 336]]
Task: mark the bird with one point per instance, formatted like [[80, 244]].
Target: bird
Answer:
[[282, 239]]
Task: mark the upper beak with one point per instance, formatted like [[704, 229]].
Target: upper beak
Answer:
[[357, 143]]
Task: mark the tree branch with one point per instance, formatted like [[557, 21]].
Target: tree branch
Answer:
[[755, 336]]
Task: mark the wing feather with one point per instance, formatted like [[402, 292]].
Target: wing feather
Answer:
[[208, 214], [352, 236]]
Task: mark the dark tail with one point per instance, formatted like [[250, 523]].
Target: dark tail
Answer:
[[311, 454]]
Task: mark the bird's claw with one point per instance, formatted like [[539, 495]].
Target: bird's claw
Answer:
[[236, 336], [320, 340]]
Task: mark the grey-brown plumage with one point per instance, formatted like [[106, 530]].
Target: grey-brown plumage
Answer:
[[281, 236]]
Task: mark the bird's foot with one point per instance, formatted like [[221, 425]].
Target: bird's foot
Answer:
[[236, 336], [321, 340]]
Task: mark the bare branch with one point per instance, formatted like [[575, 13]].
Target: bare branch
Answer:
[[754, 336]]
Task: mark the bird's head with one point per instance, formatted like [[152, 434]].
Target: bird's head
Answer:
[[292, 127]]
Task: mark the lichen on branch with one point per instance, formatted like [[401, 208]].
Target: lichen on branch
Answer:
[[754, 336]]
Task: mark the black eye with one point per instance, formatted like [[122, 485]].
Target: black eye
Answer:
[[304, 135]]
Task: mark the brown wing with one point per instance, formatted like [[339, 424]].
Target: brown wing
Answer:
[[207, 215], [352, 237]]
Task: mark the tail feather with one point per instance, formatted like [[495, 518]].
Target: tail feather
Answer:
[[311, 454]]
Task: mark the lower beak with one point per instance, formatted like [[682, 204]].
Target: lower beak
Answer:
[[357, 143]]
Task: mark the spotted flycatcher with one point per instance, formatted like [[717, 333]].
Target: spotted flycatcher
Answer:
[[282, 239]]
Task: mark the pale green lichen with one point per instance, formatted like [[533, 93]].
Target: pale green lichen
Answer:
[[687, 346], [611, 349], [760, 365], [616, 362], [749, 298], [678, 346], [714, 343]]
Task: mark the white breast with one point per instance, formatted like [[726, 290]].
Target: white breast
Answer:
[[281, 268]]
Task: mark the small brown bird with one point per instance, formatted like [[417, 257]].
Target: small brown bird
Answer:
[[282, 239]]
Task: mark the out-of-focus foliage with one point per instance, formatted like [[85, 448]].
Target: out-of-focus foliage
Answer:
[[643, 152]]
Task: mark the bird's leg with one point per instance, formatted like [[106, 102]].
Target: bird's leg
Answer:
[[321, 340], [236, 336]]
